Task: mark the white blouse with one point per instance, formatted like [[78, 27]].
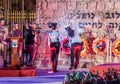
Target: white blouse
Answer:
[[54, 36], [76, 37]]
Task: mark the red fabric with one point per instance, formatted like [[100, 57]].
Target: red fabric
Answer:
[[78, 48], [90, 43], [65, 49], [53, 49], [20, 44], [9, 73], [53, 66]]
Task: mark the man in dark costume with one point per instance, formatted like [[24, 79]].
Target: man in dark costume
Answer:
[[29, 34]]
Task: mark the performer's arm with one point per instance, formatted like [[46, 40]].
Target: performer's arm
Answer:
[[5, 34], [32, 35]]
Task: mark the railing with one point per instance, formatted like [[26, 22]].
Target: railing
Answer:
[[18, 16]]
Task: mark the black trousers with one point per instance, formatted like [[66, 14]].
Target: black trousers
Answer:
[[75, 53], [54, 48], [29, 55]]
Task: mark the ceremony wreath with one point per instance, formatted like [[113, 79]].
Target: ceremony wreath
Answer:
[[87, 46], [116, 47], [85, 50], [99, 46]]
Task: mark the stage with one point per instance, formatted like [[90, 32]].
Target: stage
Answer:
[[42, 77], [104, 67]]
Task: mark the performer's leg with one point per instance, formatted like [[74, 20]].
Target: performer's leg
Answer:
[[36, 47], [31, 54], [27, 59], [78, 51], [20, 53], [77, 55], [27, 54], [72, 57], [5, 55], [52, 60], [30, 51], [56, 57]]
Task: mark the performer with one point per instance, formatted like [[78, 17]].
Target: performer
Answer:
[[76, 45], [66, 46], [16, 32], [37, 41], [3, 36], [3, 30], [29, 34], [54, 44]]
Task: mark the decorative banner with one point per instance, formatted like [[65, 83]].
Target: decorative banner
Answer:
[[87, 47], [89, 18]]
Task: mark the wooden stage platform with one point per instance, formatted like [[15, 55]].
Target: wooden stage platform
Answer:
[[26, 71]]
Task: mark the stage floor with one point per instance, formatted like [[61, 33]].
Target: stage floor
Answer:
[[42, 77]]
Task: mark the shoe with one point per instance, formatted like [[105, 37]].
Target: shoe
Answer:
[[21, 64], [75, 67], [70, 68], [51, 72], [29, 65], [56, 71]]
